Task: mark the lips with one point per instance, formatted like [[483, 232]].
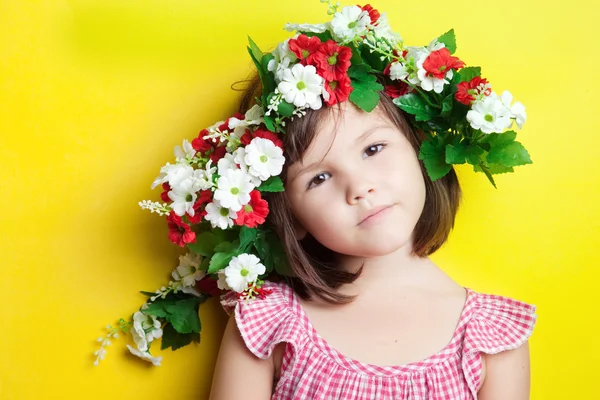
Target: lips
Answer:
[[373, 212]]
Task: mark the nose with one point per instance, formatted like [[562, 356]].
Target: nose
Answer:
[[359, 188]]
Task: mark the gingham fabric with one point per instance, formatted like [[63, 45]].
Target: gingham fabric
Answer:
[[311, 369]]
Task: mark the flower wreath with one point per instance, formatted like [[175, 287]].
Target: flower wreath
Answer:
[[212, 194]]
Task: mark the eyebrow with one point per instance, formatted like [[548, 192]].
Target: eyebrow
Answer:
[[359, 139]]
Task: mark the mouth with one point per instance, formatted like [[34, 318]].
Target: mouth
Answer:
[[374, 212]]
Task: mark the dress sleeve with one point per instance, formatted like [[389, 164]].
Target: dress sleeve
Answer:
[[498, 324], [263, 323]]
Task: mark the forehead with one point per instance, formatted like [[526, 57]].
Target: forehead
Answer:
[[339, 129]]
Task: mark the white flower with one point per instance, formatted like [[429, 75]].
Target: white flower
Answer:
[[398, 71], [226, 163], [490, 115], [350, 23], [435, 45], [144, 355], [233, 189], [242, 270], [429, 83], [254, 116], [517, 110], [173, 173], [202, 178], [187, 272], [284, 57], [222, 282], [183, 196], [239, 156], [219, 216], [187, 152], [314, 28], [302, 86], [145, 329], [264, 158], [382, 29]]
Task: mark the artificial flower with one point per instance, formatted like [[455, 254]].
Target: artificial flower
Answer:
[[145, 329], [373, 13], [263, 158], [429, 82], [304, 46], [517, 109], [265, 134], [202, 178], [473, 90], [222, 281], [226, 163], [396, 89], [183, 196], [350, 23], [185, 151], [242, 271], [489, 115], [314, 28], [233, 189], [283, 58], [165, 193], [204, 197], [144, 355], [218, 153], [440, 63], [302, 86], [332, 61], [179, 232], [202, 145], [396, 71], [254, 213], [339, 90], [219, 216], [188, 272]]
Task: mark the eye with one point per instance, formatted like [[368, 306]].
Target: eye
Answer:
[[318, 179], [373, 149]]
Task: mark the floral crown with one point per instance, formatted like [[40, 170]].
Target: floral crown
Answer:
[[212, 194]]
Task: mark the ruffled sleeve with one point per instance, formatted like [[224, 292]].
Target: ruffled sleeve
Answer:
[[263, 323], [498, 324]]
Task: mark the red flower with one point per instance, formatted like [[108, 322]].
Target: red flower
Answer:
[[200, 144], [225, 125], [165, 194], [339, 90], [218, 153], [332, 61], [246, 137], [209, 286], [204, 197], [304, 46], [262, 293], [439, 62], [179, 232], [466, 91], [396, 89], [265, 134], [253, 213], [373, 13]]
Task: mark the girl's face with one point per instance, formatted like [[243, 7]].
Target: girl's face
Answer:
[[358, 189]]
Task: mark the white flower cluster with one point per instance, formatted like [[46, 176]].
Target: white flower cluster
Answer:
[[493, 114], [410, 68], [242, 271], [237, 174], [145, 329]]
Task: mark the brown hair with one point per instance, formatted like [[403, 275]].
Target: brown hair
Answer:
[[313, 265]]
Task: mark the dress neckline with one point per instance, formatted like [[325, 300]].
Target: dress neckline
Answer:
[[388, 370]]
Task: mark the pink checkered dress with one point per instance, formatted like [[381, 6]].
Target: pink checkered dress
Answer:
[[311, 369]]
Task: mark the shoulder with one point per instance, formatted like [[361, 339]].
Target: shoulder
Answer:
[[495, 340], [264, 322]]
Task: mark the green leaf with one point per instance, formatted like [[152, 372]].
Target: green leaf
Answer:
[[226, 247], [323, 36], [269, 123], [495, 169], [255, 52], [449, 41], [509, 155], [183, 315], [267, 78], [372, 59], [434, 158], [175, 340], [205, 244], [365, 88], [285, 109], [461, 153], [273, 184], [498, 139], [468, 73], [413, 104], [487, 173], [149, 294], [220, 261], [447, 105], [264, 250], [247, 237]]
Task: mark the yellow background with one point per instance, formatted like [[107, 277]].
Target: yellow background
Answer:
[[95, 94]]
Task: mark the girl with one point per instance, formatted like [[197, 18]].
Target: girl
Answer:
[[364, 313]]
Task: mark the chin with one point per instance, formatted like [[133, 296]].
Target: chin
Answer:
[[378, 247]]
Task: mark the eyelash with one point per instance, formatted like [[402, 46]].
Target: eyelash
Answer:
[[380, 146]]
